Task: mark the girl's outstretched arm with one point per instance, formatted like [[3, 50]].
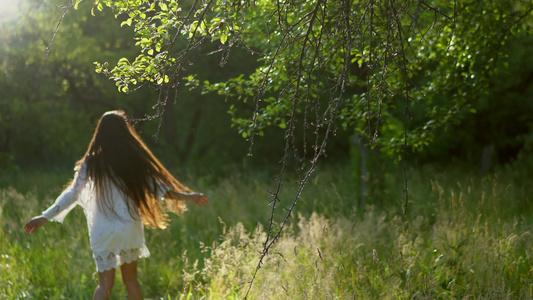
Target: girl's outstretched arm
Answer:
[[35, 223], [194, 198]]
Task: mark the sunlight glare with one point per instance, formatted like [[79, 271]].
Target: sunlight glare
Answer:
[[9, 8]]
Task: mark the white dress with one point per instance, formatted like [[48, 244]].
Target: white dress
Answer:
[[115, 238]]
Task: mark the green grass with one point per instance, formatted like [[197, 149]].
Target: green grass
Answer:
[[464, 237]]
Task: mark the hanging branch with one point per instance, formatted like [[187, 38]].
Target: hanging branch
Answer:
[[403, 70], [66, 8], [335, 103]]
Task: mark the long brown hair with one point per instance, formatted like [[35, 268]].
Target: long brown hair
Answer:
[[117, 155]]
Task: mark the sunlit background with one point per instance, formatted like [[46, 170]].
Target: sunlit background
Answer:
[[9, 8]]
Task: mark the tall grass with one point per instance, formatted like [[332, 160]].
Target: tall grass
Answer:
[[463, 237]]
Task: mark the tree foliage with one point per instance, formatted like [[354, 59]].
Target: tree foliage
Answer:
[[51, 97], [395, 70]]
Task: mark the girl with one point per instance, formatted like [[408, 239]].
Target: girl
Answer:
[[120, 185]]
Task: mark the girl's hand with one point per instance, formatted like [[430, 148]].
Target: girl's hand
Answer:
[[194, 198], [197, 198], [35, 223]]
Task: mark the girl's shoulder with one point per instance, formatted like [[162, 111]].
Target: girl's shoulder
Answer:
[[81, 165]]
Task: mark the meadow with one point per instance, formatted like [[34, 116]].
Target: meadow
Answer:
[[464, 236]]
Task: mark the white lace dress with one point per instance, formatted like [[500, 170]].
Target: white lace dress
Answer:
[[115, 239]]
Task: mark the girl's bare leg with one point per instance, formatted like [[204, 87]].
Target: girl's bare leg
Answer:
[[105, 285], [129, 277]]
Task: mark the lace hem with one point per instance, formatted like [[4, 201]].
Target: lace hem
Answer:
[[111, 260]]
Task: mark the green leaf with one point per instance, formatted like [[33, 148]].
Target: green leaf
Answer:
[[223, 38]]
